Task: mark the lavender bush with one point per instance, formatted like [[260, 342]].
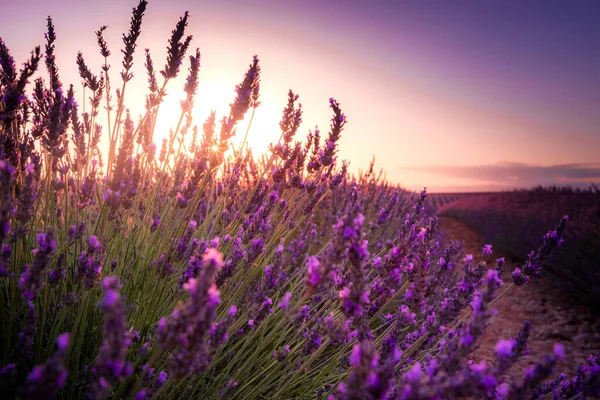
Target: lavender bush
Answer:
[[203, 271]]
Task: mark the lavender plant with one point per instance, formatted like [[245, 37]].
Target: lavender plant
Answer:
[[205, 271]]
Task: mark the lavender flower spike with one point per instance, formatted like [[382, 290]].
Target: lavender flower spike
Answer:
[[187, 330], [111, 366], [45, 380]]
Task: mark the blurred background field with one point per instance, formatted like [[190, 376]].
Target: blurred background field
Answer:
[[515, 221]]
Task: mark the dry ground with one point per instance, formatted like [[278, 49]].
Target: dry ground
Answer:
[[556, 318]]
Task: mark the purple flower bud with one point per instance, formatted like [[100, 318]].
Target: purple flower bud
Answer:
[[493, 277], [559, 351], [413, 375], [94, 244], [214, 257], [505, 348], [518, 277], [232, 311], [45, 380], [285, 301], [313, 271], [487, 250], [63, 341], [190, 285], [355, 356], [422, 234], [110, 365], [213, 295], [160, 379]]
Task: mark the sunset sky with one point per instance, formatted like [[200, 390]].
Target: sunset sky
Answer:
[[455, 95]]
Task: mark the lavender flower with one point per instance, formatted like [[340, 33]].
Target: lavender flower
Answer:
[[50, 58], [131, 38], [247, 96], [369, 379], [26, 200], [45, 380], [89, 263], [188, 327], [285, 301], [289, 124], [32, 279], [7, 208], [337, 124], [110, 365], [177, 49], [191, 83]]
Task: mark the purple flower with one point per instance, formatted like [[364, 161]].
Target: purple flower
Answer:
[[89, 263], [413, 375], [313, 273], [285, 301], [176, 49], [160, 379], [281, 353], [559, 351], [155, 222], [505, 348], [355, 356], [519, 278], [232, 311], [487, 251], [371, 376], [32, 279], [26, 200], [7, 372], [45, 380], [186, 331], [110, 365], [338, 122]]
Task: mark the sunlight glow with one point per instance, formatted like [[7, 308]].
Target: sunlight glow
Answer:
[[263, 131], [212, 96]]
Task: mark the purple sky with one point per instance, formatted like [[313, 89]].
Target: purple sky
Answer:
[[452, 95]]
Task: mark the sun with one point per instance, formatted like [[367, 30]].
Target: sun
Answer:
[[264, 128]]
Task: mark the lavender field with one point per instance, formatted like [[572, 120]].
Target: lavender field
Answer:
[[196, 268], [513, 220]]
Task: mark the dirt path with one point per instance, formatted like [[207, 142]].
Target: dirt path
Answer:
[[555, 317]]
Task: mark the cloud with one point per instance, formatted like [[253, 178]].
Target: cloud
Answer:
[[517, 174]]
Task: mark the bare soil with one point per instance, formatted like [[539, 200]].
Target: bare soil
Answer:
[[555, 316]]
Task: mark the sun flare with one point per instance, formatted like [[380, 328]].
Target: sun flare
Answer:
[[264, 125]]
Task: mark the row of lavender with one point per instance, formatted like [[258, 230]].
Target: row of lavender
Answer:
[[437, 201], [513, 220], [203, 272]]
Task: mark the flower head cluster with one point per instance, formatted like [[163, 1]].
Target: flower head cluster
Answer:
[[111, 365], [45, 380], [32, 279], [187, 329], [131, 38], [177, 48], [533, 265], [89, 263]]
